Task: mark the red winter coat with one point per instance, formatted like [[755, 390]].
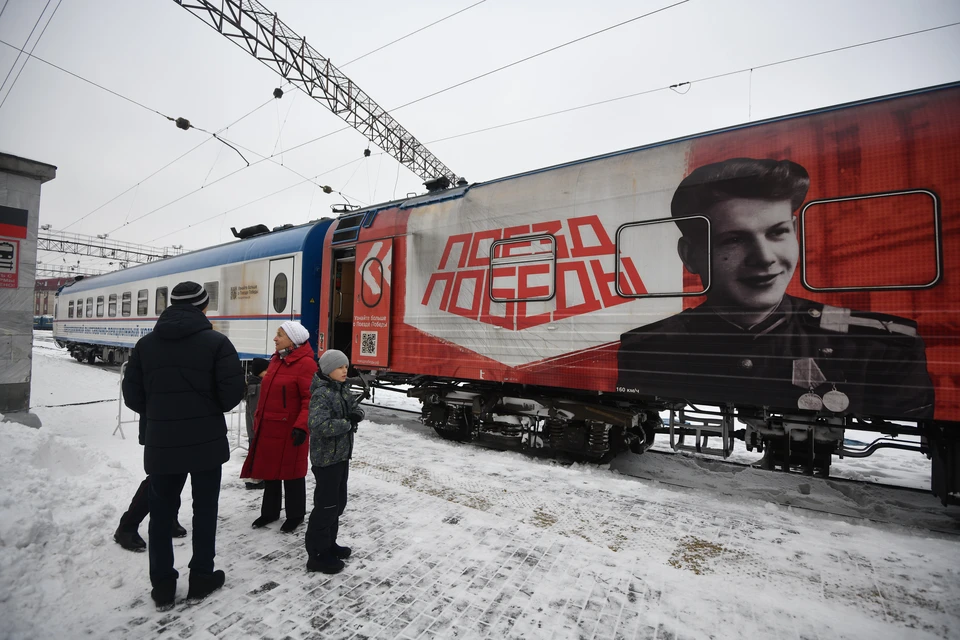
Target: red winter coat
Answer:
[[284, 405]]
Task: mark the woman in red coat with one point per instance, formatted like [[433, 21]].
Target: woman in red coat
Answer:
[[279, 450]]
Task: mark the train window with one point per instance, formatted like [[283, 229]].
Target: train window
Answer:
[[89, 307], [125, 305], [80, 308], [648, 265], [523, 269], [213, 290], [280, 292], [99, 306], [70, 309], [161, 300], [142, 298], [112, 305], [878, 241]]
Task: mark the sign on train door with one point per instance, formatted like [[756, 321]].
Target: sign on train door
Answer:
[[371, 309], [279, 298]]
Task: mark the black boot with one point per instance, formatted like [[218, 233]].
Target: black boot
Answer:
[[129, 540], [340, 552], [325, 563], [178, 531], [164, 594], [290, 524], [203, 584], [263, 521]]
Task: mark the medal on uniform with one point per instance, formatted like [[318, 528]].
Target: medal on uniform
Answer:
[[836, 401], [810, 401], [807, 375]]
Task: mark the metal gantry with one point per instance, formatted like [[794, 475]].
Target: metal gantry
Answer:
[[257, 30], [102, 247]]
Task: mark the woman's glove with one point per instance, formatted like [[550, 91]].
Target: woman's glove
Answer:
[[299, 437]]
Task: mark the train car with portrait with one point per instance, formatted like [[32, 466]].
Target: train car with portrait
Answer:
[[798, 275]]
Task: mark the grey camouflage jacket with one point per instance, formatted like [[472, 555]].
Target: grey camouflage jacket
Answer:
[[331, 433]]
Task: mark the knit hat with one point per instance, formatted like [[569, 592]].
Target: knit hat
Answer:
[[331, 360], [259, 365], [296, 332], [190, 293]]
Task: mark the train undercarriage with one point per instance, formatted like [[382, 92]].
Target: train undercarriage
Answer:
[[90, 353], [597, 427]]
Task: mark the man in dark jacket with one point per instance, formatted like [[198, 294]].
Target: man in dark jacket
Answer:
[[182, 377]]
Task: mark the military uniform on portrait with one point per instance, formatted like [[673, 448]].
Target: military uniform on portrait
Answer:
[[805, 355]]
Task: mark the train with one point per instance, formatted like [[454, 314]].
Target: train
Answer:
[[777, 282]]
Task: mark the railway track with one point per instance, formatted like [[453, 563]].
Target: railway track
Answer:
[[909, 494]]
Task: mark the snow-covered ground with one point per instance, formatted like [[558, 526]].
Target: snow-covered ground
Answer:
[[458, 540]]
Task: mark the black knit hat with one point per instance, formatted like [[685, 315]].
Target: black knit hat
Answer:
[[259, 365], [190, 293]]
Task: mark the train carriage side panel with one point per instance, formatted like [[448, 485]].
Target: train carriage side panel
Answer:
[[585, 253], [239, 275]]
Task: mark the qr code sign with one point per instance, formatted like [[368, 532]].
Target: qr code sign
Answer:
[[368, 343]]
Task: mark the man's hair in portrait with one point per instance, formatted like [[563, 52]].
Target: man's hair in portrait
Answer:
[[751, 178]]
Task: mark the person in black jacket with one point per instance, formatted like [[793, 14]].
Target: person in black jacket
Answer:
[[181, 378]]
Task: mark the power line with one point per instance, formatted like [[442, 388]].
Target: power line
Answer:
[[690, 82], [412, 33], [537, 55], [269, 195], [36, 42], [177, 159]]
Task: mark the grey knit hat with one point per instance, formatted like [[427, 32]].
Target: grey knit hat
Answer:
[[331, 360]]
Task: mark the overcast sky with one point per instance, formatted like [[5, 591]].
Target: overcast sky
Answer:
[[158, 54]]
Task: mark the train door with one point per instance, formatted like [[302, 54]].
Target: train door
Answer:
[[279, 298], [371, 316], [341, 304]]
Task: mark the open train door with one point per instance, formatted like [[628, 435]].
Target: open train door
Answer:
[[279, 298], [371, 309]]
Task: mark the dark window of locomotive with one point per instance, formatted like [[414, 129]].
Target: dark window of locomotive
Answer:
[[213, 291], [125, 303], [70, 309], [280, 292], [89, 307], [80, 308], [112, 305], [161, 300], [648, 265], [100, 306], [523, 269], [142, 300], [878, 241]]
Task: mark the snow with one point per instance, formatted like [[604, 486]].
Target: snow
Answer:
[[454, 540]]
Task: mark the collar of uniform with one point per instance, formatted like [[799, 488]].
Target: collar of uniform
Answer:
[[777, 317]]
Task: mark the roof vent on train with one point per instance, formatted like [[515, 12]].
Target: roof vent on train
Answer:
[[249, 232], [283, 226]]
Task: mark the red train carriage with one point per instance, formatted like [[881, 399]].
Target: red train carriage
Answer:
[[800, 274]]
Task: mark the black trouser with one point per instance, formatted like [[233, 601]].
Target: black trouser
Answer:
[[296, 498], [164, 491], [329, 501], [139, 508]]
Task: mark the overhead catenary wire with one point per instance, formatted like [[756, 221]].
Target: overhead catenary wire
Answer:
[[687, 83], [424, 28], [35, 43], [269, 195]]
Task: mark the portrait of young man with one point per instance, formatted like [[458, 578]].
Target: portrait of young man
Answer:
[[751, 342]]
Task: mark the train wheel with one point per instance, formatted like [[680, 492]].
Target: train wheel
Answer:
[[91, 357], [458, 426]]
